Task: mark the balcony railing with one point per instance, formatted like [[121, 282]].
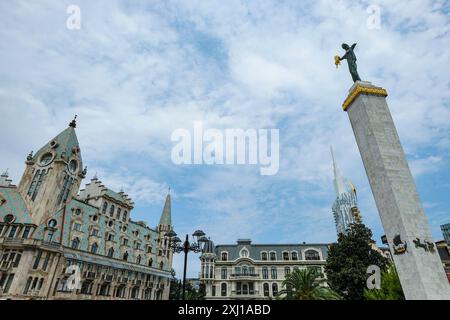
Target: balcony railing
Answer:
[[244, 275]]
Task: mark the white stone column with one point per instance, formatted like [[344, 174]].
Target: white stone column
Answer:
[[419, 267]]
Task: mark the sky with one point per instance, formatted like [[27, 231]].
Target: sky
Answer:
[[135, 71]]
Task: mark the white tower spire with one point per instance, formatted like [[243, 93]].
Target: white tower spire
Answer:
[[339, 184]]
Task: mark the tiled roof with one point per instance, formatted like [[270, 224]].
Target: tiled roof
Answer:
[[14, 205]]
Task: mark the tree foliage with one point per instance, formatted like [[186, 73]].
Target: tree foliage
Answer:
[[348, 260], [391, 289], [305, 284]]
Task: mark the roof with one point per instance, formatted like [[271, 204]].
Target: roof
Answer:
[[14, 205], [166, 216], [66, 142]]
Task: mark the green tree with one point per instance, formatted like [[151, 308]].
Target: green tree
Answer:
[[390, 288], [305, 284], [348, 260]]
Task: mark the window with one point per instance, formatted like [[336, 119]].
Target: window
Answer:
[[38, 185], [27, 285], [75, 243], [26, 232], [265, 273], [46, 260], [12, 231], [94, 247], [266, 289], [224, 273], [274, 289], [111, 252], [105, 206], [124, 216], [161, 265], [125, 256], [77, 226], [37, 260], [32, 191], [94, 232], [138, 260], [264, 256], [294, 255], [223, 289], [274, 273], [213, 291], [244, 253], [224, 256], [287, 271], [64, 193], [125, 241], [2, 226], [119, 210], [273, 256], [111, 210], [149, 249], [312, 255], [285, 255], [150, 262], [50, 235], [110, 237]]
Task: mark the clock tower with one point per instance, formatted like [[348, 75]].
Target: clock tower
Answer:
[[52, 175]]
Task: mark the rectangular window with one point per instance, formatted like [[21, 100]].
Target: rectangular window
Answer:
[[238, 288], [47, 258], [224, 273], [26, 232], [287, 271], [274, 273], [265, 273], [77, 227], [213, 289], [12, 232], [37, 260], [8, 283]]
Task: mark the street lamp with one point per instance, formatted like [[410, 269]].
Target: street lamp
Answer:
[[177, 246]]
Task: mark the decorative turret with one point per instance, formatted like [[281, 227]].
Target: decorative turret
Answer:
[[165, 222], [53, 173], [208, 259]]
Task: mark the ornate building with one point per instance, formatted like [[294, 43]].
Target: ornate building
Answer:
[[59, 242], [345, 207], [254, 271], [446, 232]]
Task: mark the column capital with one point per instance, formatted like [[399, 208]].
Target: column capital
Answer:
[[362, 87]]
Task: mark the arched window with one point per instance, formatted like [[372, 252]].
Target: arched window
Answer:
[[287, 271], [111, 252], [266, 289], [150, 262], [224, 256], [75, 243], [274, 289], [111, 210], [125, 256], [94, 247], [119, 210], [273, 256], [223, 289], [125, 216], [285, 255], [138, 259], [264, 256], [312, 255], [27, 285], [67, 185], [105, 206], [161, 265], [294, 255]]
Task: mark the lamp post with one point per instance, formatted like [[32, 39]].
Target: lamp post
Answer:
[[176, 246]]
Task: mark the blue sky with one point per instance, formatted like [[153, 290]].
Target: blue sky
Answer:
[[137, 70]]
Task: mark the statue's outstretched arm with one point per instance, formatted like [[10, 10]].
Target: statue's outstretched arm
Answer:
[[353, 46]]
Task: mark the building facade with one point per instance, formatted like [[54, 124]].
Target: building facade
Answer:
[[255, 271], [59, 242], [345, 207]]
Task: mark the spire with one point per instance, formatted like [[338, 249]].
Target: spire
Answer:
[[339, 185], [73, 123], [166, 216]]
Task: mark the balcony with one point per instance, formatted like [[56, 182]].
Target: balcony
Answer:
[[90, 275], [244, 276]]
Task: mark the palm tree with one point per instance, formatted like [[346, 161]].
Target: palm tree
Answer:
[[305, 285]]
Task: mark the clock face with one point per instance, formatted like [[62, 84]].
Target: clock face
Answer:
[[73, 165], [46, 159]]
